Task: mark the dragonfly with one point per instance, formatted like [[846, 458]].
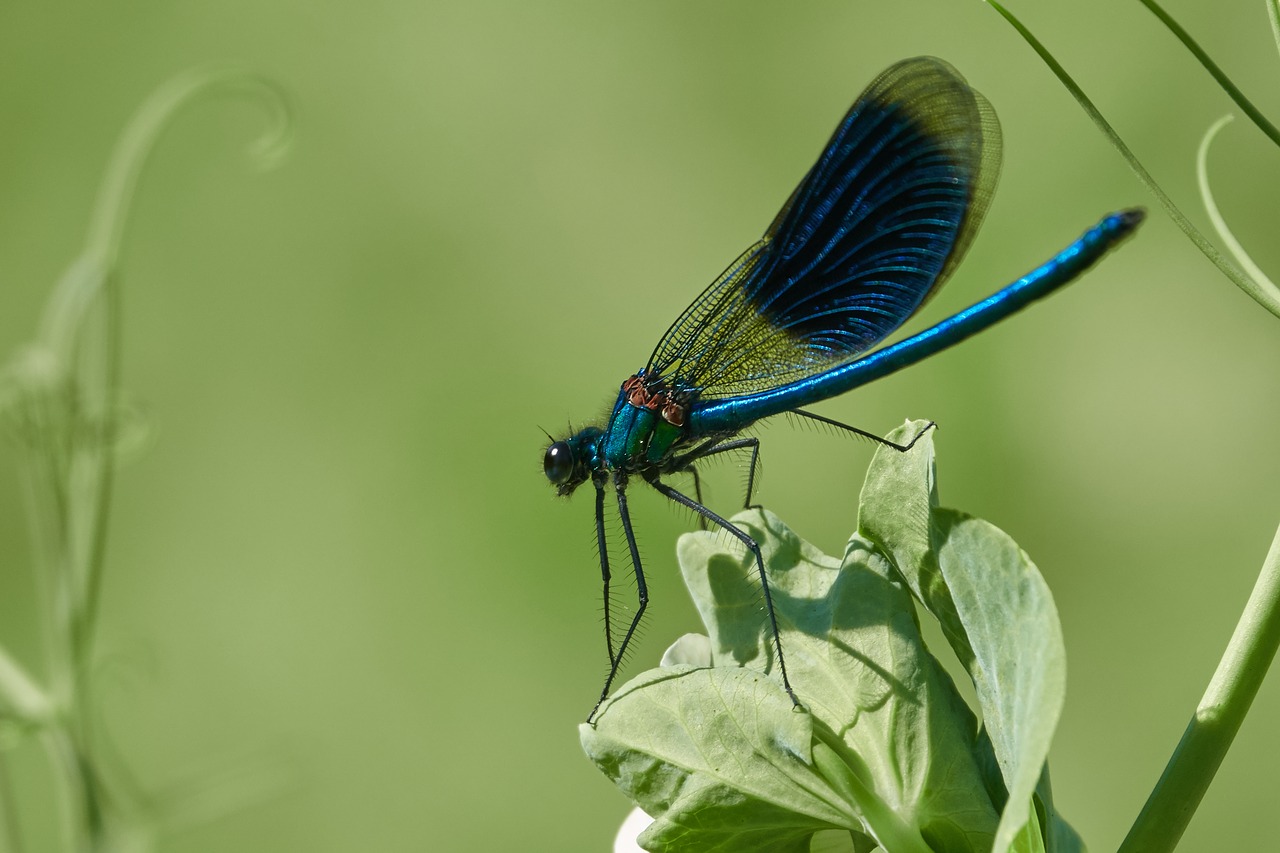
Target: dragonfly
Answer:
[[870, 234]]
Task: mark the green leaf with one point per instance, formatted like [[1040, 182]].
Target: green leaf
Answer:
[[1059, 836], [996, 612], [721, 759], [1019, 661]]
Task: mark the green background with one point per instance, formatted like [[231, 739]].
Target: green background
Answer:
[[339, 553]]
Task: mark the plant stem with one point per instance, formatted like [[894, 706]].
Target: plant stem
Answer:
[[1273, 13], [12, 836], [20, 697], [1216, 720], [72, 794], [1217, 73]]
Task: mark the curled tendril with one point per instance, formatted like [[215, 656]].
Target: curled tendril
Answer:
[[86, 276], [60, 398], [1247, 265]]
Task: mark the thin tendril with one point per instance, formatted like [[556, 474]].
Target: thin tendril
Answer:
[[1237, 251], [1246, 106]]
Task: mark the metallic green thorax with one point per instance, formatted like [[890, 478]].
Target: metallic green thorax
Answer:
[[647, 423], [646, 429]]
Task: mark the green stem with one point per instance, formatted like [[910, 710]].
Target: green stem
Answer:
[[1245, 105], [44, 477], [12, 837], [1273, 13], [73, 793], [1216, 720]]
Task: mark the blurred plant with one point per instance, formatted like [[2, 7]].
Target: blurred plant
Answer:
[[62, 405]]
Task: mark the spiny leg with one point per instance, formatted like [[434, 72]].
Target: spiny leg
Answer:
[[602, 544], [901, 448], [642, 592], [697, 492], [711, 449], [754, 548]]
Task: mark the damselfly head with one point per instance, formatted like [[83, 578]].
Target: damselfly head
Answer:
[[568, 462]]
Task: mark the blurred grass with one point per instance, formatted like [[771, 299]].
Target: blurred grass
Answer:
[[340, 548]]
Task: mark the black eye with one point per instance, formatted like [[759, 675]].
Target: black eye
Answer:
[[558, 463]]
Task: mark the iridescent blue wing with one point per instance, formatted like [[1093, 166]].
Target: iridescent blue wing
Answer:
[[872, 231]]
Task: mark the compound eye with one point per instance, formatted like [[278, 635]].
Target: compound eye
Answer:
[[558, 463]]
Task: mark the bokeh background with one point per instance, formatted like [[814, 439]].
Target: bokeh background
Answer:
[[339, 552]]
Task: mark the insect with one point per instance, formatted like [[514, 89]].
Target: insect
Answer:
[[872, 231]]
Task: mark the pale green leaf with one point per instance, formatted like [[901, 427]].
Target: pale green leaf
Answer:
[[996, 612], [886, 754]]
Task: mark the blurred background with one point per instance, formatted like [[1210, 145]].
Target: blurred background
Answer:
[[339, 552]]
